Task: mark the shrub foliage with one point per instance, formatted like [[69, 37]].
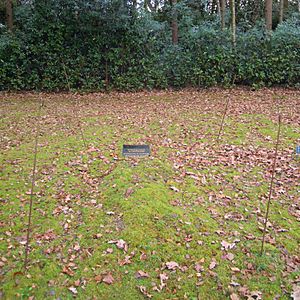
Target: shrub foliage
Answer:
[[95, 45]]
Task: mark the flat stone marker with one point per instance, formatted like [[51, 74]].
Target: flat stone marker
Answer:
[[136, 150]]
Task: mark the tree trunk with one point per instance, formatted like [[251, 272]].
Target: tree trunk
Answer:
[[149, 6], [281, 9], [174, 23], [133, 9], [233, 22], [284, 5], [222, 14], [255, 13], [9, 15], [268, 15], [134, 4], [218, 8], [214, 6]]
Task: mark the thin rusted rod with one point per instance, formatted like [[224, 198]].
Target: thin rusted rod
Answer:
[[271, 185], [223, 118], [67, 77], [79, 123], [32, 187], [80, 129]]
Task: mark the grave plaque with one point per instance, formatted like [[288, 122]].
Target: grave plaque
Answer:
[[136, 150]]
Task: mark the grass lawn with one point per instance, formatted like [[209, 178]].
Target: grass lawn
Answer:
[[184, 223]]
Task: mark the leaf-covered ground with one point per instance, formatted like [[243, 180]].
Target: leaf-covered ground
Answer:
[[184, 223]]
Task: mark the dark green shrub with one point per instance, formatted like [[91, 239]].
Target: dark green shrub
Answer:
[[95, 45]]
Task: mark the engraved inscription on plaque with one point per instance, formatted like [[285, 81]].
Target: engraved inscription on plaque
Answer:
[[136, 150]]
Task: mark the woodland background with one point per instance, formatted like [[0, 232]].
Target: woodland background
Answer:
[[132, 45]]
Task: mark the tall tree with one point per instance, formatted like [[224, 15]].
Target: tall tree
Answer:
[[153, 6], [281, 9], [134, 8], [233, 22], [218, 7], [9, 15], [174, 23], [222, 13], [255, 11], [268, 15], [134, 4], [284, 4]]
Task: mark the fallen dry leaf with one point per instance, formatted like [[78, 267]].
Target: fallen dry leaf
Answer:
[[172, 265], [121, 244], [67, 271], [255, 295], [226, 245], [77, 247], [129, 192], [125, 261], [98, 278], [141, 274], [199, 268], [296, 292], [163, 278], [77, 283], [143, 256], [234, 297], [108, 279], [73, 290], [213, 264], [175, 189], [143, 290], [97, 236], [230, 256]]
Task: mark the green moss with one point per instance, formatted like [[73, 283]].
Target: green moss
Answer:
[[88, 190]]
